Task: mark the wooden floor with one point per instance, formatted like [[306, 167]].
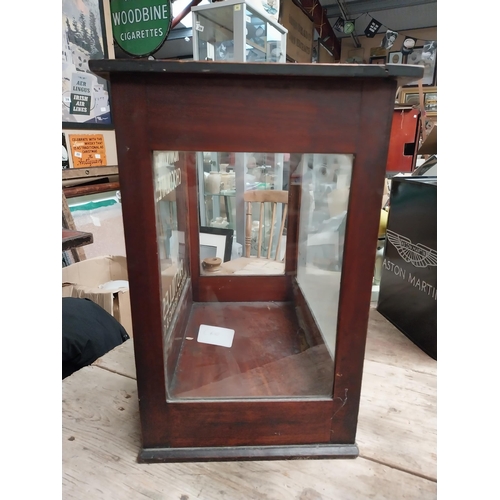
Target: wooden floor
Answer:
[[396, 438]]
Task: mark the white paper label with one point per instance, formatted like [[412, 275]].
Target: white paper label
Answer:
[[114, 285], [215, 335]]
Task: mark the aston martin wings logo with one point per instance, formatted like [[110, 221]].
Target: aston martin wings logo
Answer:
[[418, 255]]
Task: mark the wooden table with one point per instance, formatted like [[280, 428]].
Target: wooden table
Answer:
[[73, 239], [396, 438]]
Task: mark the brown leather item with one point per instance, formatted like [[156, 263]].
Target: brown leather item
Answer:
[[211, 263]]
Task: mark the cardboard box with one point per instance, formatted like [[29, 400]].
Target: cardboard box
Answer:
[[104, 280]]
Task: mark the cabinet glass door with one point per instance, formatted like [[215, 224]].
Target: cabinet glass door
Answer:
[[255, 364]]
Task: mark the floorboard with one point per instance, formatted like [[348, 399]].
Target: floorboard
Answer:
[[396, 437], [101, 440], [386, 344]]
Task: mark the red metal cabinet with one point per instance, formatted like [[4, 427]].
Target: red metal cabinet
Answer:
[[403, 144]]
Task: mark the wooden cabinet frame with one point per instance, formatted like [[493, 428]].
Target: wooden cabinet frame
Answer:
[[202, 106]]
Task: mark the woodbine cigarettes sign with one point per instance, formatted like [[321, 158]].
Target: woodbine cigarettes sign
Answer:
[[140, 26]]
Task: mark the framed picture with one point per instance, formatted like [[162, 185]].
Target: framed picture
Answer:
[[395, 58], [428, 60], [87, 150], [388, 39], [85, 97], [378, 60], [216, 242], [378, 51], [411, 95]]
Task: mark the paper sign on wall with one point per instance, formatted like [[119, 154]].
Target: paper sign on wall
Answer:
[[88, 150], [81, 93]]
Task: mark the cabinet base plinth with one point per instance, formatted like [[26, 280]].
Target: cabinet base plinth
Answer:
[[221, 454]]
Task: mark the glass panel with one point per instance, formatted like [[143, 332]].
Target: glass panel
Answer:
[[215, 34], [249, 236], [325, 181], [275, 51], [170, 231], [266, 349], [217, 208], [256, 37], [264, 41]]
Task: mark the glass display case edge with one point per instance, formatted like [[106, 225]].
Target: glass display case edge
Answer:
[[238, 31]]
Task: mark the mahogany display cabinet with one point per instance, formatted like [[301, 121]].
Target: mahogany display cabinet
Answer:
[[255, 350]]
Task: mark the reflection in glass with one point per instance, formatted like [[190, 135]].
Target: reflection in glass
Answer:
[[325, 182], [243, 193], [170, 237]]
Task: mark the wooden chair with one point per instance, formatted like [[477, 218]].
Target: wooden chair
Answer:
[[76, 254], [274, 199]]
